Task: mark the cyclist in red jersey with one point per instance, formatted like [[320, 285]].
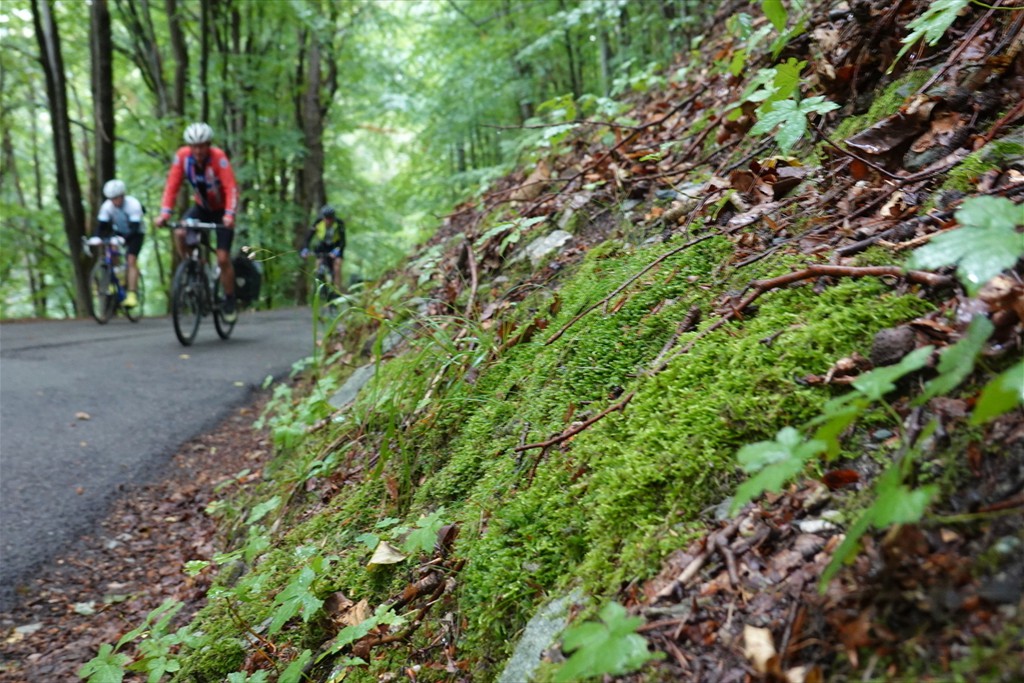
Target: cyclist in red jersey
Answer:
[[209, 172]]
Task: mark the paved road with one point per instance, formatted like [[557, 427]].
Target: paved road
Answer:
[[144, 393]]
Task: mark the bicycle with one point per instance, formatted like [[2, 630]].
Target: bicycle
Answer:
[[107, 281], [196, 290], [323, 278]]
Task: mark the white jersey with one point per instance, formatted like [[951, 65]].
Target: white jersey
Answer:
[[121, 217]]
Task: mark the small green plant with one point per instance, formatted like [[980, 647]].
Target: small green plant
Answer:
[[609, 646], [350, 634], [774, 463], [156, 651], [790, 117], [986, 244], [297, 597], [931, 25]]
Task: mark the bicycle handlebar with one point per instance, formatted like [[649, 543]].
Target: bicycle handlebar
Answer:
[[116, 240], [192, 224]]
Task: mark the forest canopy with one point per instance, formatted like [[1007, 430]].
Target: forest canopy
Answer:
[[391, 110]]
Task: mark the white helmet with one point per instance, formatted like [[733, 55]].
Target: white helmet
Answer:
[[113, 188], [198, 133]]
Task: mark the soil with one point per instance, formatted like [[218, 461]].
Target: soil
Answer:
[[108, 582]]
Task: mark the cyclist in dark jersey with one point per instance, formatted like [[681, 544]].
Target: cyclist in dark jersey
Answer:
[[329, 230]]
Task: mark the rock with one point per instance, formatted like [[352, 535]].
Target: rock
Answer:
[[891, 345], [542, 246]]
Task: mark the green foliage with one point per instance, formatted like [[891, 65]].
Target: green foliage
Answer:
[[776, 462], [383, 615], [986, 244], [156, 650], [790, 116], [892, 503], [1001, 395], [609, 646], [424, 536], [956, 362], [106, 667], [297, 597], [931, 25]]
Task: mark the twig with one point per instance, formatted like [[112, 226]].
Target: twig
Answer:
[[964, 43], [569, 433], [474, 279], [625, 284]]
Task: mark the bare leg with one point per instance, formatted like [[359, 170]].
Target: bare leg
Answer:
[[337, 275], [133, 273], [227, 272]]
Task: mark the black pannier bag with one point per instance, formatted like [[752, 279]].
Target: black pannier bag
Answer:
[[247, 280]]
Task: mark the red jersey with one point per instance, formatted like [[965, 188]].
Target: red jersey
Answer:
[[214, 183]]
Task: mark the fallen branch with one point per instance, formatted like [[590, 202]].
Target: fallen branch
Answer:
[[569, 433]]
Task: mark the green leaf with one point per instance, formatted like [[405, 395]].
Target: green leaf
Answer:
[[293, 674], [776, 13], [368, 539], [424, 536], [880, 381], [838, 415], [296, 597], [787, 445], [931, 25], [771, 478], [791, 119], [610, 646], [957, 361], [106, 667], [902, 505], [260, 511], [1002, 394], [987, 244], [996, 213]]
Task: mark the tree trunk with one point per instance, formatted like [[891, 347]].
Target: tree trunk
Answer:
[[146, 51], [69, 191], [321, 82], [102, 53], [179, 50]]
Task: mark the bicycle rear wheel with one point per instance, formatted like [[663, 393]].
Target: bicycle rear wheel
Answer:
[[224, 328], [186, 302], [135, 312], [101, 300]]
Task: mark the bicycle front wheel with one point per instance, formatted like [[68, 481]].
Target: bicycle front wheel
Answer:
[[135, 312], [186, 302], [224, 328], [101, 299]]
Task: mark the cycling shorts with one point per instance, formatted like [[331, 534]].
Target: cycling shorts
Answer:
[[132, 241], [225, 236]]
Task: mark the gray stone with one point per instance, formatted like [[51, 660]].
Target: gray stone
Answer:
[[356, 381], [540, 634], [542, 246]]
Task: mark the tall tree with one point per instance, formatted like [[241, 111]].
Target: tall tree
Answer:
[[69, 192], [102, 52]]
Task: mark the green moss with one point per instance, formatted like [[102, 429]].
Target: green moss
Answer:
[[883, 106], [964, 177]]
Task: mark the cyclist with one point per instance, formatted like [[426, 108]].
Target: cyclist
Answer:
[[330, 248], [121, 213], [209, 172]]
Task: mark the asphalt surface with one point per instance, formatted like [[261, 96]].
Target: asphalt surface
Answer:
[[88, 408]]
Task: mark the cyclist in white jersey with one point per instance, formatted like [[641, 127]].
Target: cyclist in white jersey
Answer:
[[121, 214]]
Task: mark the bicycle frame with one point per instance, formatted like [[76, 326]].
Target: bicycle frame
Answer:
[[194, 290], [104, 276]]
